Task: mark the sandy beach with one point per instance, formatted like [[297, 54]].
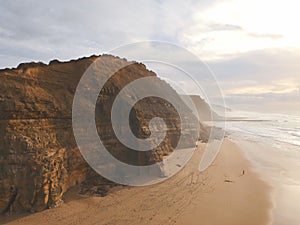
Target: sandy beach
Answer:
[[220, 195], [102, 104]]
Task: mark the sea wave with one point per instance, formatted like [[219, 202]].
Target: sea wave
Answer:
[[295, 134], [277, 127]]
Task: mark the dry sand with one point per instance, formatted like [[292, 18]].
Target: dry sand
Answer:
[[188, 198]]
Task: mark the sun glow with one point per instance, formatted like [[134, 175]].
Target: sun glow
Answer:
[[263, 24]]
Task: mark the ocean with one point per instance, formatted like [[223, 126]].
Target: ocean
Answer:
[[280, 128], [272, 143]]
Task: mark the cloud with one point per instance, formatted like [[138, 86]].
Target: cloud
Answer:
[[258, 78], [275, 88], [43, 30], [224, 27], [248, 55], [263, 66], [266, 36], [269, 102]]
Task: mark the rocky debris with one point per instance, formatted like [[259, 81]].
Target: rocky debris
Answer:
[[95, 186], [38, 152], [56, 204]]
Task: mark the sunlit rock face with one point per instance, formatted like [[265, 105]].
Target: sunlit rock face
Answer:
[[39, 158]]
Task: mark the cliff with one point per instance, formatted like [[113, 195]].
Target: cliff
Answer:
[[206, 114], [39, 158]]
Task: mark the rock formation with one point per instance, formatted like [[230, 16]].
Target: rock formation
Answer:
[[38, 153], [205, 112]]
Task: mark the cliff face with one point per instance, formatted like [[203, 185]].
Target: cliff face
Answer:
[[39, 159], [205, 113], [38, 153]]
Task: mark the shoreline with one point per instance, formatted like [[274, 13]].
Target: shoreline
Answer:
[[219, 195], [280, 171], [244, 146]]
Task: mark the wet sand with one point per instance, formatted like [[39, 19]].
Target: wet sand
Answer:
[[281, 170], [220, 195]]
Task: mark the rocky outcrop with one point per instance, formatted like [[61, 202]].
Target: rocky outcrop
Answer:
[[205, 112], [38, 153]]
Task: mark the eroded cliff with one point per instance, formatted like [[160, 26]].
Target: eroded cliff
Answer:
[[39, 158]]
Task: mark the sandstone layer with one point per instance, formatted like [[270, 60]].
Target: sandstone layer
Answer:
[[39, 158]]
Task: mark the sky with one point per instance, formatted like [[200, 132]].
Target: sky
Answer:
[[251, 46]]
